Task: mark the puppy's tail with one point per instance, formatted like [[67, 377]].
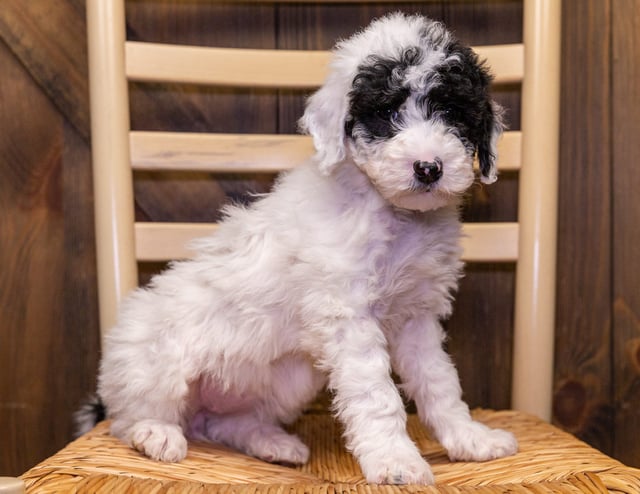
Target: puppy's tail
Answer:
[[89, 414]]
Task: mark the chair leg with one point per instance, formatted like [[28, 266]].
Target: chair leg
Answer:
[[11, 485]]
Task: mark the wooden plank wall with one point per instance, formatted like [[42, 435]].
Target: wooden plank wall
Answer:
[[48, 341], [625, 216], [49, 346], [582, 402]]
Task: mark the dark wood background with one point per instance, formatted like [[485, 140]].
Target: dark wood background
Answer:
[[49, 343]]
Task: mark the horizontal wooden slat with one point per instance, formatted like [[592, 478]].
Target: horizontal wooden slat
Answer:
[[218, 152], [225, 66], [166, 241], [268, 68], [505, 61], [490, 242], [250, 152], [510, 151], [483, 242]]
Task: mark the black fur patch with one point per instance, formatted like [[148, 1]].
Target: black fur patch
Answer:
[[461, 99], [89, 414], [377, 93]]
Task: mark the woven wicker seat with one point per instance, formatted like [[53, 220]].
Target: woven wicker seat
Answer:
[[549, 460]]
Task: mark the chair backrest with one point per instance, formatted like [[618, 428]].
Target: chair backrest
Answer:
[[122, 242]]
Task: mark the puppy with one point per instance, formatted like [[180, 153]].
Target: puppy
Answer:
[[338, 276]]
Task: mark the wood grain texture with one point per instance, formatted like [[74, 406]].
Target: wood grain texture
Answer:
[[583, 368], [77, 370], [626, 234], [48, 339], [31, 282], [55, 57]]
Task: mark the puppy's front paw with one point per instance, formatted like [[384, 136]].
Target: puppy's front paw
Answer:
[[477, 442], [397, 468], [159, 440]]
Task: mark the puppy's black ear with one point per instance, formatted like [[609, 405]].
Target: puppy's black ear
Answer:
[[487, 144]]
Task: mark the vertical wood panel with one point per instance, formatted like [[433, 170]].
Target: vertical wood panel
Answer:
[[583, 369], [48, 329], [76, 356], [626, 232], [31, 282], [60, 68]]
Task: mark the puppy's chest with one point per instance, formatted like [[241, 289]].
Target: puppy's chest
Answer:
[[419, 269]]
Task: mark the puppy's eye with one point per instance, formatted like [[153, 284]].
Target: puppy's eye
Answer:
[[453, 114], [388, 114], [449, 113]]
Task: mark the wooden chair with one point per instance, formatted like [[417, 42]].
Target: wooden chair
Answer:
[[549, 460]]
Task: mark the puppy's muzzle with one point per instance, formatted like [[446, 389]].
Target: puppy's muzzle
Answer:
[[428, 172]]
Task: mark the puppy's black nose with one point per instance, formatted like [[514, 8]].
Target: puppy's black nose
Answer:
[[428, 172]]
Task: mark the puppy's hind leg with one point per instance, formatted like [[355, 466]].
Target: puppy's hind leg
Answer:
[[430, 378], [251, 434], [289, 384]]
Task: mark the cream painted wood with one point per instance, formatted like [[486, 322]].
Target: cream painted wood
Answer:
[[268, 68], [250, 152], [482, 242], [113, 186], [163, 241], [490, 242], [218, 152], [506, 61], [11, 485], [535, 275], [225, 66]]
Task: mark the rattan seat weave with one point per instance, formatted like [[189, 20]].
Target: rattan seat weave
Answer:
[[549, 461]]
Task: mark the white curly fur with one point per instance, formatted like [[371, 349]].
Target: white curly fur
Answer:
[[342, 273]]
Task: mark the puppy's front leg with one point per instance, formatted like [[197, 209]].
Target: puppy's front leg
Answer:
[[430, 378], [369, 404]]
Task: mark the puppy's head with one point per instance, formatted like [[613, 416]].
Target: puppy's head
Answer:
[[410, 106]]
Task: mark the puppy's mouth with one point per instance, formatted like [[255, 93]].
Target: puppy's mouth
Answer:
[[436, 189], [417, 189], [421, 197], [417, 186]]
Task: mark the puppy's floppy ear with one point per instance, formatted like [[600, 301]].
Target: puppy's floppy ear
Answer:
[[324, 119], [487, 146]]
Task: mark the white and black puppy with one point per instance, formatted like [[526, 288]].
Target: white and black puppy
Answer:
[[338, 276]]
